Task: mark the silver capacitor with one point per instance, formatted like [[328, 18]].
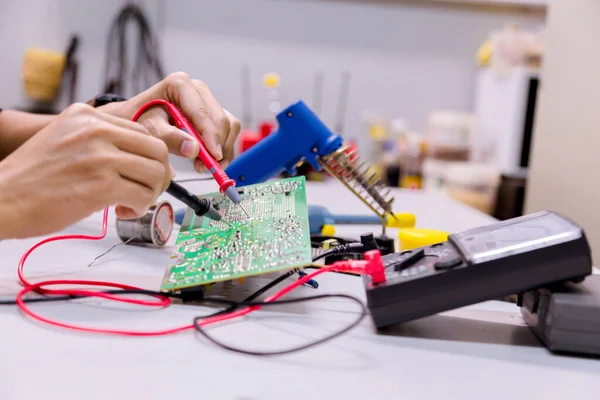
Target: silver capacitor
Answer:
[[153, 228]]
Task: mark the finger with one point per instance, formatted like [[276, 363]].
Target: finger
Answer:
[[134, 142], [193, 104], [224, 163], [218, 113], [122, 122], [149, 173], [234, 131], [126, 213], [178, 142], [133, 196], [198, 166]]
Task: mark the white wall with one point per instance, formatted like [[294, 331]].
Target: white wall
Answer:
[[406, 59], [565, 160], [50, 24]]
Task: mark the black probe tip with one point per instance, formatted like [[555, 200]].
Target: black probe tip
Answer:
[[213, 214]]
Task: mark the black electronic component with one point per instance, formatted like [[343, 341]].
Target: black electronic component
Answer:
[[385, 244], [349, 250], [480, 264], [191, 294], [368, 242], [566, 317]]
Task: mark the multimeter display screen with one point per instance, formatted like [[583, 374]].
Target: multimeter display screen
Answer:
[[515, 236]]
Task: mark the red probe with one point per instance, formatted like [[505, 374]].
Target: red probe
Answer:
[[226, 184]]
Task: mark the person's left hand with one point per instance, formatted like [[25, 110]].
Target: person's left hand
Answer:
[[217, 127]]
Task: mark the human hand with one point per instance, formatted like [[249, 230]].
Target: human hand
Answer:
[[78, 164], [218, 128]]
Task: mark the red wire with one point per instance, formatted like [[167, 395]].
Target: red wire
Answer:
[[161, 301], [174, 111]]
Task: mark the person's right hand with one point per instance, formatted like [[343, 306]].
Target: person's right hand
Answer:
[[81, 162]]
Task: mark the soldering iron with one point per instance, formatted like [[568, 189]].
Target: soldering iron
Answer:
[[301, 135]]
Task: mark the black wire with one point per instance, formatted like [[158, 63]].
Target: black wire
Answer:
[[13, 302], [50, 298], [322, 238], [324, 254], [233, 304], [147, 62], [342, 250], [269, 285]]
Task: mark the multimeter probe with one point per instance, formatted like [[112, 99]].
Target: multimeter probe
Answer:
[[226, 184]]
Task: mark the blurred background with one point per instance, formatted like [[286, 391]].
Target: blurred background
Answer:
[[438, 95]]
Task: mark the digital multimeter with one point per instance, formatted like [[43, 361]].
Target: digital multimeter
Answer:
[[480, 264]]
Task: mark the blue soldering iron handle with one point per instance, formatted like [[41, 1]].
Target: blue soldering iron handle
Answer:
[[262, 161], [301, 135], [346, 219], [318, 216]]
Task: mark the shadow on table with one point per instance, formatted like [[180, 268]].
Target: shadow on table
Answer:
[[455, 335], [452, 328]]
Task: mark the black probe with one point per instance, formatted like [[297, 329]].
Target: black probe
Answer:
[[201, 206]]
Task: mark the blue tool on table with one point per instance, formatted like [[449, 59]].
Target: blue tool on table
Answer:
[[300, 136], [303, 136], [319, 216]]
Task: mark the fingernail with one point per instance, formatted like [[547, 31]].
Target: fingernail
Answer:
[[219, 154], [189, 148]]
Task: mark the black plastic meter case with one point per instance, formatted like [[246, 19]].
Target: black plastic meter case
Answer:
[[479, 264]]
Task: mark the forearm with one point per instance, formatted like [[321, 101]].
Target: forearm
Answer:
[[16, 127]]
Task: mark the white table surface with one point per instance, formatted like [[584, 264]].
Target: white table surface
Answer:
[[482, 351]]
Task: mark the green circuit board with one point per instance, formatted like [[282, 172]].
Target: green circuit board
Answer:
[[274, 237]]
